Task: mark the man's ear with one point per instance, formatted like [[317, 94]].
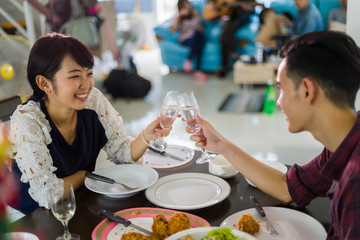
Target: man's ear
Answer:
[[311, 90], [43, 83]]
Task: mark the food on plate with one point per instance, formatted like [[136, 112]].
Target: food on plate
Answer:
[[247, 223], [162, 228], [187, 237], [134, 236], [221, 234], [178, 222]]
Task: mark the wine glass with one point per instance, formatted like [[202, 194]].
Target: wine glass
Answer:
[[190, 108], [169, 111], [63, 207]]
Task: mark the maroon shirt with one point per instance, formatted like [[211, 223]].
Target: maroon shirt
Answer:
[[336, 175]]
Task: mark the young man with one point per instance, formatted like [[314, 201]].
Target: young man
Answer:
[[307, 20], [318, 79]]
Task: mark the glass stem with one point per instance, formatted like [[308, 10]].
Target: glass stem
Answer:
[[205, 153], [67, 234]]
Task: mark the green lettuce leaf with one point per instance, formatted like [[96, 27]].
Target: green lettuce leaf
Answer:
[[221, 234]]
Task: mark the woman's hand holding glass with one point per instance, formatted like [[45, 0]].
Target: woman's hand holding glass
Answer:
[[169, 112]]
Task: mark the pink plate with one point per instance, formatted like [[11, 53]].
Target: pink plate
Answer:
[[108, 230]]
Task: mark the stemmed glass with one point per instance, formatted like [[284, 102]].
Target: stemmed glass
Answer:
[[169, 111], [190, 108], [63, 207]]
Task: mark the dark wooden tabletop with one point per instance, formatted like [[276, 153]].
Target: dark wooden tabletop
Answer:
[[42, 223]]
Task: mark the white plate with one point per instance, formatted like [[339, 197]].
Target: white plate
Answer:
[[277, 165], [131, 174], [188, 191], [19, 236], [156, 160], [290, 224], [199, 233]]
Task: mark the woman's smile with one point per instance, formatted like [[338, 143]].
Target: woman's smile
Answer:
[[82, 97]]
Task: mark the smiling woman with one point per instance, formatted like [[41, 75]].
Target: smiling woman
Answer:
[[59, 132]]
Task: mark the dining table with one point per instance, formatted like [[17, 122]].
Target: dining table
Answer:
[[43, 224]]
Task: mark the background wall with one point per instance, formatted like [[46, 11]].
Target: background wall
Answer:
[[353, 20]]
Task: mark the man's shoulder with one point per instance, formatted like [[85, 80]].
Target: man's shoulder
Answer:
[[314, 15], [313, 9]]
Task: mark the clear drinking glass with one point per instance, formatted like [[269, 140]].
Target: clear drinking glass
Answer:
[[169, 112], [63, 207], [190, 108]]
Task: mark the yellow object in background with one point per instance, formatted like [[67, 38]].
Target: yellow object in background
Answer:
[[4, 145], [6, 71]]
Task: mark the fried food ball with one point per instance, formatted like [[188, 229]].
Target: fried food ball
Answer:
[[247, 223], [178, 222], [160, 226]]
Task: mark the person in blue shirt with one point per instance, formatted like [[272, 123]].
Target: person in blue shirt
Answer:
[[58, 133], [307, 20]]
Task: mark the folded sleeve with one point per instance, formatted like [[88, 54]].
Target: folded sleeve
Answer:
[[306, 182]]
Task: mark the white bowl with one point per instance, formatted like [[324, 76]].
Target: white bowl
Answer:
[[201, 232], [277, 165]]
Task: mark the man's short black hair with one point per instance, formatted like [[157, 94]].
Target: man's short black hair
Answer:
[[330, 58]]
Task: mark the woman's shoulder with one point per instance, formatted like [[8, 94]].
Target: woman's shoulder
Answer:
[[28, 109], [28, 119]]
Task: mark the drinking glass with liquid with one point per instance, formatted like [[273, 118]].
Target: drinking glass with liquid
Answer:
[[169, 111], [190, 108]]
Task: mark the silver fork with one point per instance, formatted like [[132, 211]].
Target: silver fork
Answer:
[[108, 180], [269, 227]]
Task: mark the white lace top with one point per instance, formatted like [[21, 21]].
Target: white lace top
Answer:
[[30, 134]]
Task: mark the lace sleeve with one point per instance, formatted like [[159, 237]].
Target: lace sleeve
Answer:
[[118, 144], [30, 134]]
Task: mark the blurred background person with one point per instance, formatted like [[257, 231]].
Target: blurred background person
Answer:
[[307, 20], [57, 12], [233, 15], [274, 28], [188, 22]]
